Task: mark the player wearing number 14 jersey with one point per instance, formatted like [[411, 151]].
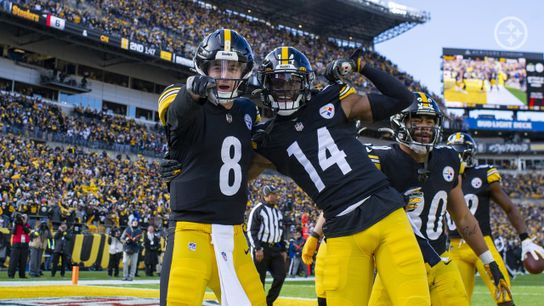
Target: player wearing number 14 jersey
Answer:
[[313, 140], [416, 163], [209, 129]]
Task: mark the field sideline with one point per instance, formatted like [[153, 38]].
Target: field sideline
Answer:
[[527, 289]]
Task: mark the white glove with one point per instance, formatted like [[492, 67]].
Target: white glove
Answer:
[[413, 198], [528, 246]]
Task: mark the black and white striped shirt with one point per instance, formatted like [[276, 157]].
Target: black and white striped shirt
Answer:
[[265, 225]]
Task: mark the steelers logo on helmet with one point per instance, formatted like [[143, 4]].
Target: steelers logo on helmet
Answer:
[[465, 145], [227, 57], [286, 77], [420, 125]]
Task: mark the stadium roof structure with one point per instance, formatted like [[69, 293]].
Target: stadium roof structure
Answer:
[[368, 21]]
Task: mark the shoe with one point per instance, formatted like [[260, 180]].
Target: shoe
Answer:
[[125, 279]]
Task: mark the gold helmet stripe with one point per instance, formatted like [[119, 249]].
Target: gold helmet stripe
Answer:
[[284, 55], [227, 39]]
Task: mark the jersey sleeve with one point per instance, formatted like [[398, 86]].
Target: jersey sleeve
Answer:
[[345, 91], [375, 159], [166, 98], [493, 175]]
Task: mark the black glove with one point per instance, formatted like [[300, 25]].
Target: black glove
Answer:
[[198, 86], [338, 69], [502, 290], [169, 169], [357, 60]]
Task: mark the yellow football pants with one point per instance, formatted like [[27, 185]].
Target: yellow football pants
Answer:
[[321, 254], [391, 246], [190, 266], [468, 263], [444, 283]]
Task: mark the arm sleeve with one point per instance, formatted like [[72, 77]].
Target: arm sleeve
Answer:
[[394, 98], [254, 224], [180, 116]]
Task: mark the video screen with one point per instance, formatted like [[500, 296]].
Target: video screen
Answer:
[[493, 79]]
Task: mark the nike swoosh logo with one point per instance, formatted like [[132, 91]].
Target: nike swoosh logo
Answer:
[[246, 251]]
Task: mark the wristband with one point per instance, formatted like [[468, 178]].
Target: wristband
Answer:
[[486, 257], [315, 235]]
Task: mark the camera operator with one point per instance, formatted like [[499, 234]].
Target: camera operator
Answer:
[[38, 243], [62, 249], [19, 247], [116, 251]]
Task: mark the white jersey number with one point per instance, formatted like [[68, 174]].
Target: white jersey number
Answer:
[[326, 146], [231, 154], [472, 202], [435, 217]]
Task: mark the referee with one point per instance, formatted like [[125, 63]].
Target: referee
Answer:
[[266, 236]]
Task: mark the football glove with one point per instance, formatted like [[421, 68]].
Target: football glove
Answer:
[[528, 246], [199, 86], [338, 69], [413, 198], [357, 60], [309, 250], [169, 169], [502, 290]]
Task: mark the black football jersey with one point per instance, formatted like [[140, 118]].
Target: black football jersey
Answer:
[[476, 181], [214, 146], [444, 167], [317, 147]]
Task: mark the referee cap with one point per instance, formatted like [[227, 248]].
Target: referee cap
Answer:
[[268, 189]]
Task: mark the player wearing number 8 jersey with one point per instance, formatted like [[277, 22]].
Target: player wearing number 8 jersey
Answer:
[[313, 140], [209, 130], [417, 162]]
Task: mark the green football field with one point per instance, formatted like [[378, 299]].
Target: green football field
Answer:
[[527, 289]]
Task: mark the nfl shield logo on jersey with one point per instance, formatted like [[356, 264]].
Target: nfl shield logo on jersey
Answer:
[[448, 173], [327, 111], [249, 122], [476, 182]]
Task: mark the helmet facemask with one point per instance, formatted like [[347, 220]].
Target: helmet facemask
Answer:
[[286, 91], [410, 132], [228, 77]]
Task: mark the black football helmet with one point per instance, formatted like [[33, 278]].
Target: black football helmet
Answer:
[[286, 77], [225, 49], [465, 145], [423, 105]]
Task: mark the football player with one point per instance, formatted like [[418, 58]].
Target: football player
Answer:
[[312, 140], [209, 129], [480, 184], [417, 165]]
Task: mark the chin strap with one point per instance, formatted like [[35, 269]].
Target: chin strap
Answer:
[[423, 173]]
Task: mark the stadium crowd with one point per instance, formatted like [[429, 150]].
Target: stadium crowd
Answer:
[[33, 117], [178, 26], [526, 185]]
